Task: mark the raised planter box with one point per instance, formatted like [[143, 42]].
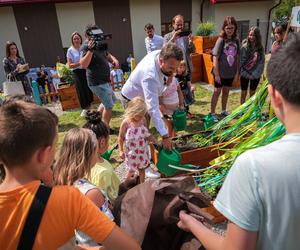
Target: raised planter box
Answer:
[[197, 67], [204, 43], [68, 97], [207, 69], [218, 217]]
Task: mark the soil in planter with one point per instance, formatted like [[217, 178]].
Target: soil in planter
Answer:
[[194, 141]]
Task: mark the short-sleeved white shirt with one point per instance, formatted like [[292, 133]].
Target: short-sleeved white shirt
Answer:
[[262, 193], [74, 55]]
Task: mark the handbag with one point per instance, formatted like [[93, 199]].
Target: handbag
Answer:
[[13, 87]]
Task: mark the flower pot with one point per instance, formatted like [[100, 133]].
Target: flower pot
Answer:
[[197, 67], [204, 43], [68, 97]]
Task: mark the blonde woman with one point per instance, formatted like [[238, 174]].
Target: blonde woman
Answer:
[[134, 136], [79, 153]]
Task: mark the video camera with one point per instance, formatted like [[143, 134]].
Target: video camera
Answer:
[[99, 38]]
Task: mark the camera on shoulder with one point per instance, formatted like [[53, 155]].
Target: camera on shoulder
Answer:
[[99, 38]]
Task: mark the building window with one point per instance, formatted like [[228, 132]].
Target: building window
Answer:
[[167, 27], [243, 28]]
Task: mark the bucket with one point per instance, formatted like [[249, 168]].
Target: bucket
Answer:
[[179, 120], [166, 158]]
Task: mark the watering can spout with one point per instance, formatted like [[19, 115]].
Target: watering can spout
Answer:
[[106, 155]]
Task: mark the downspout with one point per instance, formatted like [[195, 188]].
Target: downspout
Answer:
[[201, 11], [269, 17]]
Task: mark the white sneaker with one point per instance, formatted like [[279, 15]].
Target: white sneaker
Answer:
[[151, 174], [83, 113]]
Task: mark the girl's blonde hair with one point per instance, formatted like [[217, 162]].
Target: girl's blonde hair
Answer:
[[182, 62], [136, 106], [75, 157]]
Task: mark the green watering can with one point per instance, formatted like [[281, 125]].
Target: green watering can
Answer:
[[179, 120], [167, 158], [106, 155], [208, 121]]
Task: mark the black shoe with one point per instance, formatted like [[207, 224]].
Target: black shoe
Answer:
[[113, 131]]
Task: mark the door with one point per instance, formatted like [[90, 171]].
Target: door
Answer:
[[39, 33], [114, 17]]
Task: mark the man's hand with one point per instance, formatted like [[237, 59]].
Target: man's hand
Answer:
[[175, 36], [91, 44], [167, 143]]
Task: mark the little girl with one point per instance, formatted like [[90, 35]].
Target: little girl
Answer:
[[78, 154], [102, 174], [252, 62], [186, 87], [171, 100], [135, 135]]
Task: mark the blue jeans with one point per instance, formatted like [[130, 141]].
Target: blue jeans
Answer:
[[105, 94]]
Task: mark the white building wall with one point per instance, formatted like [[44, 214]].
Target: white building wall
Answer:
[[141, 13], [244, 11], [196, 4], [73, 17], [9, 32]]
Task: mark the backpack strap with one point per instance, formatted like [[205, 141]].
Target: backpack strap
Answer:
[[34, 218]]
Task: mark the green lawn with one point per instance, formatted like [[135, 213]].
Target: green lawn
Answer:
[[72, 119]]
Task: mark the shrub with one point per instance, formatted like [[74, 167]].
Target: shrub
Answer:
[[206, 29]]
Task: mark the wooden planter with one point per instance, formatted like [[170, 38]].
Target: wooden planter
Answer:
[[68, 97], [207, 69], [197, 67], [218, 217], [204, 44]]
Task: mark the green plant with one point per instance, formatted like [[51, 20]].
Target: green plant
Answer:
[[206, 29], [65, 73]]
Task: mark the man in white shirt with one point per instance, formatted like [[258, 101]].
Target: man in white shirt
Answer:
[[261, 194], [152, 41], [148, 80]]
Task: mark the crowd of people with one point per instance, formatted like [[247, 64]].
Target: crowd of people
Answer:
[[78, 190]]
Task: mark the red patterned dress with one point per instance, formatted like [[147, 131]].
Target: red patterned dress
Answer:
[[136, 147]]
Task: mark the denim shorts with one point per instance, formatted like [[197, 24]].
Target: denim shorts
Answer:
[[105, 94]]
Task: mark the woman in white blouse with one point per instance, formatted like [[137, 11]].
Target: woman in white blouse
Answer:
[[84, 93]]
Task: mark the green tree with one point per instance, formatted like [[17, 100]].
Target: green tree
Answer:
[[284, 10]]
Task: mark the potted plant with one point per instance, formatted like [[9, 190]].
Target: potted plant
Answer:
[[205, 38], [66, 90]]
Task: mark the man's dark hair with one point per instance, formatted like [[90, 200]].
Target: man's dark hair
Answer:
[[171, 50], [149, 26], [24, 127], [283, 69], [90, 27]]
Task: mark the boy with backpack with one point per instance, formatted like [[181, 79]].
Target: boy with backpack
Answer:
[[34, 216]]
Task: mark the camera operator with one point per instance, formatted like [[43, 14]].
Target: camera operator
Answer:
[[95, 58]]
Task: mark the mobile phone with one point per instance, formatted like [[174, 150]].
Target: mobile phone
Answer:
[[184, 33]]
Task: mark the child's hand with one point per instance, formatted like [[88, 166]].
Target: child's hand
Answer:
[[152, 139], [122, 155]]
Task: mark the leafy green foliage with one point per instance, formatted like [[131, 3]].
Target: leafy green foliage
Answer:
[[206, 29], [65, 73], [284, 10]]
